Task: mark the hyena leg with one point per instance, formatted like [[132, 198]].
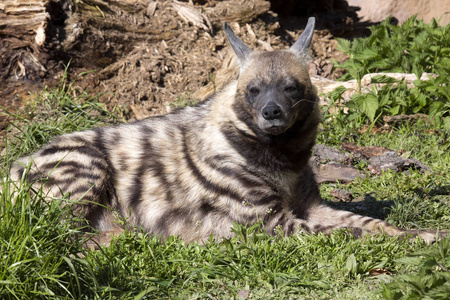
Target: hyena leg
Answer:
[[322, 218], [72, 167]]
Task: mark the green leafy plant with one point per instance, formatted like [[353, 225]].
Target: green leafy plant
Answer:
[[412, 47], [429, 277]]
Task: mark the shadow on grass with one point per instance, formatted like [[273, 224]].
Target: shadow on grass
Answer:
[[367, 206]]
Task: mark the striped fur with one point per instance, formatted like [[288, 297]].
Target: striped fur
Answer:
[[240, 156]]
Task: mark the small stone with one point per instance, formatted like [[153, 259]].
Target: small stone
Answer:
[[332, 172], [342, 195]]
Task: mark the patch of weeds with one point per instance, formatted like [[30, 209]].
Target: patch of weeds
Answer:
[[426, 274], [431, 97]]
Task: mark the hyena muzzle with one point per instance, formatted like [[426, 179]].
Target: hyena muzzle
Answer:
[[240, 156]]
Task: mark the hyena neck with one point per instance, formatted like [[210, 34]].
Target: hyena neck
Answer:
[[274, 153]]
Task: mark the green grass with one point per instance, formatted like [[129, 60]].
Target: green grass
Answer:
[[43, 258], [184, 100], [40, 254]]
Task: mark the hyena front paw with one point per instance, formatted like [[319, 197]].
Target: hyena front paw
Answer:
[[428, 236], [288, 227]]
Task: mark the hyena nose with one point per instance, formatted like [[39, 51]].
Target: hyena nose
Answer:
[[272, 111]]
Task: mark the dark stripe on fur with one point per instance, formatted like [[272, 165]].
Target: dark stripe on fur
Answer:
[[174, 215], [245, 181], [364, 223], [150, 160], [205, 182], [206, 208], [36, 176], [88, 188], [85, 149], [77, 177], [136, 188], [61, 164], [83, 175], [266, 181], [19, 172]]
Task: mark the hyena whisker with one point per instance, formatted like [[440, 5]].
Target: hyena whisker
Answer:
[[302, 100], [198, 170]]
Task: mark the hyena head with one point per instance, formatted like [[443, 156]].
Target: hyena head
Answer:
[[274, 90]]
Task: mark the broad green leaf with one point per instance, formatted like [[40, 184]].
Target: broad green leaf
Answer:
[[447, 123], [366, 54], [369, 106], [337, 92], [383, 79], [435, 108], [351, 265], [344, 45], [422, 100], [394, 110]]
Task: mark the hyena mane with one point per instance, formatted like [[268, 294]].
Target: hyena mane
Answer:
[[241, 156]]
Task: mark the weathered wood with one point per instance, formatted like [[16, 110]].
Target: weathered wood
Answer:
[[24, 19], [22, 32], [237, 11]]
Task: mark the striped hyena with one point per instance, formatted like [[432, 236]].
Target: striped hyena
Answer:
[[240, 156]]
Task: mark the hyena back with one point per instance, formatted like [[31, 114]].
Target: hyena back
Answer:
[[241, 156]]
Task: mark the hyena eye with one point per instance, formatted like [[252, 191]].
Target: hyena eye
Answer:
[[254, 91], [290, 88]]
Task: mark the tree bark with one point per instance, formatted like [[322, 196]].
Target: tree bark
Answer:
[[22, 33]]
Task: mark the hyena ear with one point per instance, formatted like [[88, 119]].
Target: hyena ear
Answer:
[[240, 49], [301, 46]]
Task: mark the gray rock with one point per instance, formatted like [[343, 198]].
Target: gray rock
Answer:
[[325, 154], [392, 161]]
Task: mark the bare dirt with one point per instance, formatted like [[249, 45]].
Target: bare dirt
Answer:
[[146, 56]]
